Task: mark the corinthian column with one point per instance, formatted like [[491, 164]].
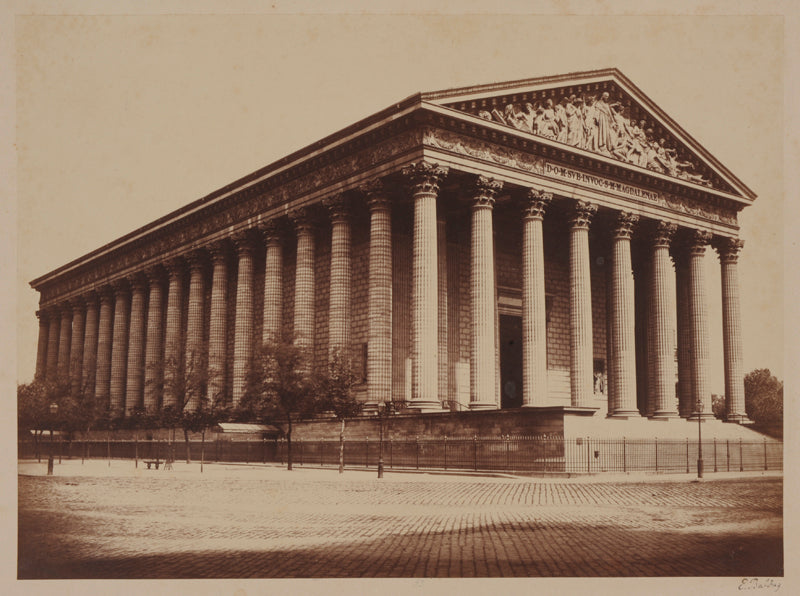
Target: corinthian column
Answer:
[[534, 316], [154, 347], [663, 303], [64, 342], [136, 345], [194, 363], [89, 372], [272, 330], [119, 349], [172, 338], [76, 349], [728, 250], [104, 337], [243, 327], [425, 178], [339, 305], [622, 398], [685, 391], [698, 318], [379, 301], [580, 305], [41, 346], [217, 327], [304, 289], [53, 332], [482, 297]]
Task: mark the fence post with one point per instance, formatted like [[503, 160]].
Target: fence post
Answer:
[[508, 463], [741, 456], [715, 454], [624, 462], [656, 438], [728, 453], [765, 454], [417, 443], [445, 452], [390, 453], [687, 455], [588, 455], [366, 452], [475, 451]]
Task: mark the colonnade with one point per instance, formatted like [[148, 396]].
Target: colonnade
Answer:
[[115, 342]]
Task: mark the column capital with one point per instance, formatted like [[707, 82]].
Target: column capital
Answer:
[[197, 259], [663, 233], [218, 250], [90, 298], [484, 190], [121, 287], [106, 294], [582, 213], [42, 314], [244, 241], [65, 308], [302, 219], [175, 267], [272, 229], [338, 206], [78, 304], [728, 249], [425, 176], [697, 242], [624, 224], [375, 192], [154, 274], [138, 282], [536, 203]]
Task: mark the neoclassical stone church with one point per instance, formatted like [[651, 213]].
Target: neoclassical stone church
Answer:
[[534, 246]]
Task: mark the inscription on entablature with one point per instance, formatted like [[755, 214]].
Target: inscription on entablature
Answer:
[[521, 160]]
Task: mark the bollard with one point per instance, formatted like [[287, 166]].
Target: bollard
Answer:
[[741, 456], [715, 454]]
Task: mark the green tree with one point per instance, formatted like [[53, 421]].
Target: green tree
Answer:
[[335, 390], [33, 407], [763, 397], [718, 406], [278, 390]]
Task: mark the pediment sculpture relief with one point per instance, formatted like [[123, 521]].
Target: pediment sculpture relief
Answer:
[[594, 124]]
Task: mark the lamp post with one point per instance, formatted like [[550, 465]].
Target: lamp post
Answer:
[[384, 409], [53, 412], [699, 438]]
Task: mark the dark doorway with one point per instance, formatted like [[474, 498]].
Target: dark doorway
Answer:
[[510, 361]]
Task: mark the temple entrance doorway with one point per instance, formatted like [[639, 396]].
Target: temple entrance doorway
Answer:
[[510, 361]]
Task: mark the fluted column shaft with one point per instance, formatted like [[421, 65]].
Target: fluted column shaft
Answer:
[[622, 400], [698, 317], [379, 301], [580, 303], [663, 303], [425, 179], [272, 330], [218, 327], [441, 335], [304, 294], [172, 337], [53, 333], [732, 330], [482, 298], [534, 316], [136, 347], [76, 349], [64, 342], [119, 350], [339, 304], [685, 391], [194, 361], [104, 338], [153, 369], [41, 346], [243, 327], [89, 370]]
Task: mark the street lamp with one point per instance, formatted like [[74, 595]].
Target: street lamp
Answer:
[[699, 438], [53, 412]]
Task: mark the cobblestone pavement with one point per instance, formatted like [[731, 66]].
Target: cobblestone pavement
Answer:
[[272, 523]]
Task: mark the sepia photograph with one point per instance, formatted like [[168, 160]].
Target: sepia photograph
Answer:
[[362, 292]]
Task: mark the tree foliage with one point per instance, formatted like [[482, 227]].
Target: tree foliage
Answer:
[[335, 388], [763, 397]]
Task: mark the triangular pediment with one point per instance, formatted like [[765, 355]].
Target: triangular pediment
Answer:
[[601, 112]]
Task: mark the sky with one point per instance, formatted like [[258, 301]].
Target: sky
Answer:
[[122, 119]]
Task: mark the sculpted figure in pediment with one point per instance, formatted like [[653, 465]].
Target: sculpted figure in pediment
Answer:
[[590, 130], [561, 120], [606, 140], [574, 113]]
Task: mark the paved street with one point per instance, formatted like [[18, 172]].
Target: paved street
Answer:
[[237, 522]]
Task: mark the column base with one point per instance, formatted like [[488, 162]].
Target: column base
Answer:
[[424, 407], [625, 414], [738, 419], [705, 416], [665, 415], [477, 406]]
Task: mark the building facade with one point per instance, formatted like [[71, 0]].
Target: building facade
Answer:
[[531, 244]]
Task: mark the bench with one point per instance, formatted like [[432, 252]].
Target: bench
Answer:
[[152, 462]]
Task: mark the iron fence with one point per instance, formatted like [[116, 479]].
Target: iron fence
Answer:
[[504, 454]]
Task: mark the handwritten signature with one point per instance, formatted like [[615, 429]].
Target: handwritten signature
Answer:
[[754, 583]]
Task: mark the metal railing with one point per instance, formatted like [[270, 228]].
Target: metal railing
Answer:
[[502, 454]]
